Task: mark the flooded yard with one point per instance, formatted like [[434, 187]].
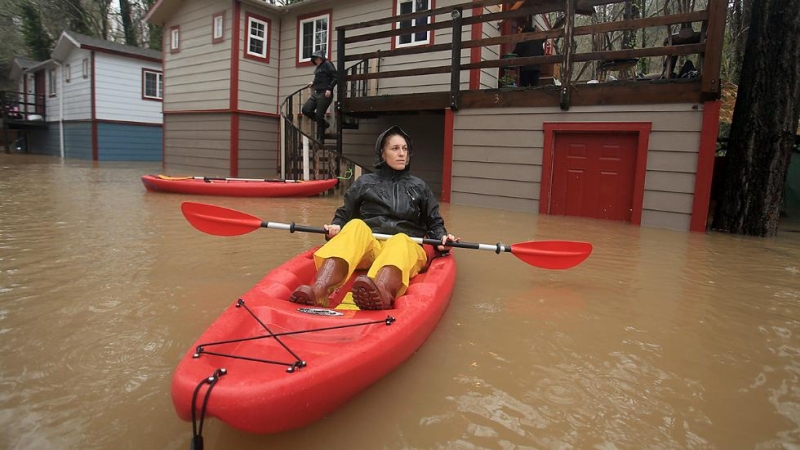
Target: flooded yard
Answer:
[[661, 339]]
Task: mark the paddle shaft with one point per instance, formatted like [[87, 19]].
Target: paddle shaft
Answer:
[[292, 227], [245, 179], [221, 221]]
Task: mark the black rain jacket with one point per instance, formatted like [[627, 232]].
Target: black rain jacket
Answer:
[[325, 76], [392, 201]]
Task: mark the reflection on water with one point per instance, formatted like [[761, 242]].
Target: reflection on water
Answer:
[[661, 339]]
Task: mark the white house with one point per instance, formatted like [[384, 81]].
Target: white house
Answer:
[[102, 101]]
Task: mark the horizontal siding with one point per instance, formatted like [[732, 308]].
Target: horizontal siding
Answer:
[[674, 161], [118, 90], [497, 156], [495, 171], [77, 140], [346, 12], [488, 79], [77, 93], [51, 103], [122, 142], [501, 188], [44, 142], [198, 76], [676, 202], [511, 155], [197, 144], [670, 182], [664, 219], [258, 147], [502, 203], [258, 81]]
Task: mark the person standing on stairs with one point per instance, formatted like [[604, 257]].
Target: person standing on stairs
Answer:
[[317, 104], [390, 201]]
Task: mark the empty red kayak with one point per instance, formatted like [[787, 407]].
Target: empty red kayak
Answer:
[[236, 187], [281, 365]]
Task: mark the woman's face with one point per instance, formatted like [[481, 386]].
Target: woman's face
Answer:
[[395, 152]]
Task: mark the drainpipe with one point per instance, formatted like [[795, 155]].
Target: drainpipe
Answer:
[[60, 94]]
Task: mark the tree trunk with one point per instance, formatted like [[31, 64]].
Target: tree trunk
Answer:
[[128, 28], [739, 23], [764, 122]]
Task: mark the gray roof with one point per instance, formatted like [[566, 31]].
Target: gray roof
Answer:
[[113, 46], [24, 62]]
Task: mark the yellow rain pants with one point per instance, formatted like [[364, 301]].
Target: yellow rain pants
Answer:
[[356, 245]]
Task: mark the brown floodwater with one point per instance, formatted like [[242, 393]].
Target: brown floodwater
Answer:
[[661, 339]]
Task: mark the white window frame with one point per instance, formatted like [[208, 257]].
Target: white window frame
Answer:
[[67, 73], [251, 20], [414, 23], [315, 45], [159, 84], [218, 28], [52, 82], [85, 67], [174, 39]]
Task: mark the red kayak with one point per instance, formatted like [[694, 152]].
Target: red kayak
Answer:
[[267, 365], [236, 187]]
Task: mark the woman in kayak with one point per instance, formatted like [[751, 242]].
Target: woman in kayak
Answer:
[[388, 201]]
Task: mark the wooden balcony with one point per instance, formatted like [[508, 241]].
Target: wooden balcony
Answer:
[[21, 111], [568, 62]]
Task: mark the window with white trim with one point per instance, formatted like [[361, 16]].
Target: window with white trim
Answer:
[[67, 73], [85, 67], [52, 85], [174, 39], [152, 84], [313, 36], [420, 37], [218, 28], [257, 33]]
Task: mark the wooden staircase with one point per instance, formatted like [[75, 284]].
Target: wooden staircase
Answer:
[[304, 157]]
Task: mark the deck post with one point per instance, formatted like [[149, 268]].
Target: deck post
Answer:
[[455, 74], [341, 92], [714, 35], [566, 74]]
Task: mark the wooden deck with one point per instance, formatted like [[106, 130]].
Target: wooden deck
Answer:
[[356, 98], [613, 93]]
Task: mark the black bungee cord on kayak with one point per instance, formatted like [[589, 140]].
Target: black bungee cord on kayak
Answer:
[[292, 366], [197, 428]]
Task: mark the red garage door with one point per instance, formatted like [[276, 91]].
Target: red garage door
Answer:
[[594, 175]]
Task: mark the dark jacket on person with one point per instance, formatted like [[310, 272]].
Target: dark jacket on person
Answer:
[[324, 76], [529, 48], [392, 201]]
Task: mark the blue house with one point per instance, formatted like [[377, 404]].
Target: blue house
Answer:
[[98, 100]]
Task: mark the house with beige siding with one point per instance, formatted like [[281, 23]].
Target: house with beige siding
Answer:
[[631, 147]]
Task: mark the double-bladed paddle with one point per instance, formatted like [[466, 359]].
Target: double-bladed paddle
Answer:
[[221, 221]]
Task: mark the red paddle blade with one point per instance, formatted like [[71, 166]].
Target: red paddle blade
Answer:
[[219, 221], [552, 254]]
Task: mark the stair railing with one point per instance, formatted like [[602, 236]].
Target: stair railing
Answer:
[[299, 134]]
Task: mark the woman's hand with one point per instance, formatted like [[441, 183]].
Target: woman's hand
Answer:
[[333, 230], [445, 239]]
